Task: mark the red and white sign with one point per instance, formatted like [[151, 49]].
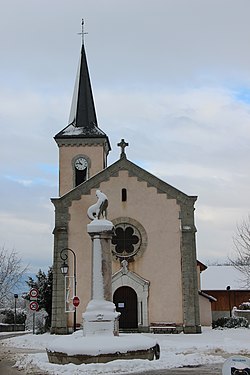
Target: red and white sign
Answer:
[[76, 301], [34, 306], [33, 293]]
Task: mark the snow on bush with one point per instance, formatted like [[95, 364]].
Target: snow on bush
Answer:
[[244, 306], [230, 322]]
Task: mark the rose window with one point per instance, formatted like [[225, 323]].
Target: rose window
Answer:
[[126, 241]]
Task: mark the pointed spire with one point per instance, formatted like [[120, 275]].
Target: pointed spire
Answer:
[[82, 121], [83, 109], [82, 114]]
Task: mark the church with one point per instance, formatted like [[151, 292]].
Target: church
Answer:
[[154, 264]]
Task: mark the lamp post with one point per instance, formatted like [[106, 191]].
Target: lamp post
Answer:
[[15, 297], [229, 300], [64, 270]]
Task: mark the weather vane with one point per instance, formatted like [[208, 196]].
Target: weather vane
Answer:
[[82, 33]]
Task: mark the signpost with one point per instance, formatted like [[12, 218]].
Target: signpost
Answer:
[[16, 297], [33, 304]]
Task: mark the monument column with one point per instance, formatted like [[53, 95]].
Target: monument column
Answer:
[[101, 316]]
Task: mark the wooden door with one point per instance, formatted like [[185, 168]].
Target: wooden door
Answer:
[[125, 299]]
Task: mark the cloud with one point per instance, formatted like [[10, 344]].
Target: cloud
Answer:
[[25, 238], [169, 76]]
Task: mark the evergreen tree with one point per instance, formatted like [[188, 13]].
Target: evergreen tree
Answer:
[[43, 284]]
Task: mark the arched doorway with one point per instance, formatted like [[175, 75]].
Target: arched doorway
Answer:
[[125, 299]]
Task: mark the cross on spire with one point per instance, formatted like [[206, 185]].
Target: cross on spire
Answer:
[[82, 33], [122, 144]]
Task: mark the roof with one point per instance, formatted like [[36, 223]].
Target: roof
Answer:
[[202, 266], [82, 120], [205, 295], [219, 277]]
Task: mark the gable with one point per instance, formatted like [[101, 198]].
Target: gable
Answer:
[[184, 215], [133, 171]]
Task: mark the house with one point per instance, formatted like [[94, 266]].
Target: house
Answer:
[[225, 284], [205, 299]]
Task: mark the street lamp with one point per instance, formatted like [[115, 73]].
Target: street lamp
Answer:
[[15, 297], [64, 269], [229, 300]]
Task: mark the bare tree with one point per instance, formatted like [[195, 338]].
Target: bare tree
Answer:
[[11, 271], [241, 261]]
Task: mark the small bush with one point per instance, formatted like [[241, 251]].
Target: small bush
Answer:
[[230, 322], [244, 306], [8, 316]]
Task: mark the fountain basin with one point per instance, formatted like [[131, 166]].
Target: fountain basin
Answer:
[[80, 349]]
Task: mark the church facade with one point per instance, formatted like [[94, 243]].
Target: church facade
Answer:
[[153, 246]]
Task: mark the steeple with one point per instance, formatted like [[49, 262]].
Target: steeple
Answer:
[[82, 114], [83, 146], [82, 120]]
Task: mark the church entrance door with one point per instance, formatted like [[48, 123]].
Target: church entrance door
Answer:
[[125, 299]]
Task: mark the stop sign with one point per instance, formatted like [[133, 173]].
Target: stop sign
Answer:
[[76, 301]]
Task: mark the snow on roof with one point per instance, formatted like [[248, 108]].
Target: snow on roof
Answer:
[[91, 131], [219, 277]]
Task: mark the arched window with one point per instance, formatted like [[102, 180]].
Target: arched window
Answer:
[[80, 176], [124, 195]]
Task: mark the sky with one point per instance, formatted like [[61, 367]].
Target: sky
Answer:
[[217, 348], [219, 277], [172, 77]]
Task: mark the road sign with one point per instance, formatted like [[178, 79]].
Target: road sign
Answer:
[[34, 306], [76, 301], [33, 293]]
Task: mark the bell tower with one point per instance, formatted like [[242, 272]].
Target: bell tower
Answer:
[[83, 146]]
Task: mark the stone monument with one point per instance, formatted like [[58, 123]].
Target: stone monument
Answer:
[[99, 340], [100, 317]]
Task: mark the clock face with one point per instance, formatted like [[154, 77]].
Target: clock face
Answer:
[[81, 163]]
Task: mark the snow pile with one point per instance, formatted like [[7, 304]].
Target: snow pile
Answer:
[[176, 351]]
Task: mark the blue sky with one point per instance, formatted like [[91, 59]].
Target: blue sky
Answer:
[[172, 77]]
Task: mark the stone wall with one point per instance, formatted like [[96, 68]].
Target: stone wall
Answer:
[[11, 327]]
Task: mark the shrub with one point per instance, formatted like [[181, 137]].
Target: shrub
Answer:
[[230, 322], [244, 306], [8, 316]]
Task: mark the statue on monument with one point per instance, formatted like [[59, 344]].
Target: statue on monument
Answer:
[[99, 208]]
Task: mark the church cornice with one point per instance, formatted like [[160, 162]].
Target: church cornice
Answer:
[[91, 142]]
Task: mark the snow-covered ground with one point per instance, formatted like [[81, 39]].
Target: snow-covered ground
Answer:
[[176, 351]]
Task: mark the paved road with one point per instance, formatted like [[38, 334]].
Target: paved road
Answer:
[[9, 335], [7, 360], [6, 367], [215, 369]]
